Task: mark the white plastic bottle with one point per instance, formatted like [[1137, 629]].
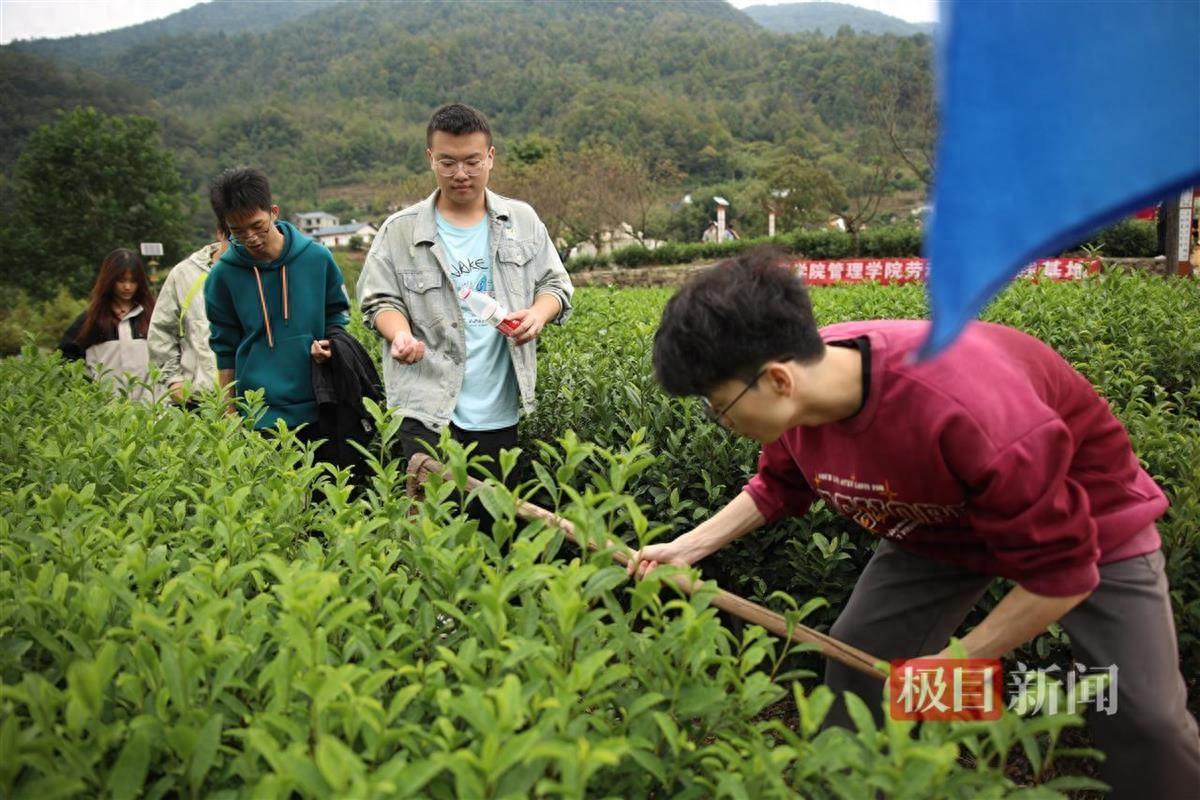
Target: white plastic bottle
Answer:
[[487, 309]]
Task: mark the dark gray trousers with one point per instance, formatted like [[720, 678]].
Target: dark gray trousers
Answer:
[[905, 606]]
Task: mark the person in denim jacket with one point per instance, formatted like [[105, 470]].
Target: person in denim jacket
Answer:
[[442, 366]]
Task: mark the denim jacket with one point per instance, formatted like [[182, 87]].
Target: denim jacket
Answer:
[[406, 271]]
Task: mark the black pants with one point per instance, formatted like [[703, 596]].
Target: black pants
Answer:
[[305, 435], [414, 435], [326, 450]]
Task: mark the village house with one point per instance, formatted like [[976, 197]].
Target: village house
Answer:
[[311, 221], [340, 235]]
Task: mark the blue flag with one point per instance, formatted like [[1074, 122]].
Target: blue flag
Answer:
[[1057, 118]]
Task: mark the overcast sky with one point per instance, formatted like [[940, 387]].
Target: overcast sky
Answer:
[[910, 10], [36, 19]]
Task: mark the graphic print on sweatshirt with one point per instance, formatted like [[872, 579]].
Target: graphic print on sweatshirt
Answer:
[[879, 509]]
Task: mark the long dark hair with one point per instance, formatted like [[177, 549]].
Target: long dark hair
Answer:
[[99, 317]]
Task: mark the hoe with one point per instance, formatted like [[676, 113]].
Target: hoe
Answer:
[[421, 466]]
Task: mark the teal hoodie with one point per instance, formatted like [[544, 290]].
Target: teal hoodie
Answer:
[[303, 296]]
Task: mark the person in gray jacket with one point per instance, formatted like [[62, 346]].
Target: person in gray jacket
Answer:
[[178, 336], [442, 365]]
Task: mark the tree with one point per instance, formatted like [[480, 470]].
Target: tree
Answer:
[[84, 185], [580, 195], [530, 149], [863, 178], [800, 192], [546, 184], [691, 216], [598, 199], [645, 190], [903, 108]]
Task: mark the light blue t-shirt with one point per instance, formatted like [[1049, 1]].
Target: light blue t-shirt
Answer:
[[488, 399]]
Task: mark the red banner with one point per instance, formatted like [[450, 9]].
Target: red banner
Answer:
[[910, 270]]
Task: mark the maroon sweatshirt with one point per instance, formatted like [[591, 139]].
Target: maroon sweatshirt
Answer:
[[996, 456]]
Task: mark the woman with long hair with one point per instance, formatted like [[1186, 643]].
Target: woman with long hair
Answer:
[[110, 335]]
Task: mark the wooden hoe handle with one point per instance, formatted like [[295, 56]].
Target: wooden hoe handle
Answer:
[[421, 466]]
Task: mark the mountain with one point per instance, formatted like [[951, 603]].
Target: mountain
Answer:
[[35, 89], [339, 95], [212, 17], [827, 18]]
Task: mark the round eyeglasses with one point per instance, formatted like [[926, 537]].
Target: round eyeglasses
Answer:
[[448, 167]]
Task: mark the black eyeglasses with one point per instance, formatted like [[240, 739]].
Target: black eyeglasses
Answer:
[[713, 415], [259, 230]]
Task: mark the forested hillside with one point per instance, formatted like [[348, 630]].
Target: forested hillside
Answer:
[[35, 89], [648, 101]]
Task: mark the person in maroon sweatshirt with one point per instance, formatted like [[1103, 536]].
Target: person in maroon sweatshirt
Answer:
[[994, 460]]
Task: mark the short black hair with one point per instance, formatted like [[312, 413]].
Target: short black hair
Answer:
[[239, 190], [730, 320], [457, 119]]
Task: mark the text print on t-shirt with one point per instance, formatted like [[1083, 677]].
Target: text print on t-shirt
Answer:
[[876, 507], [462, 268]]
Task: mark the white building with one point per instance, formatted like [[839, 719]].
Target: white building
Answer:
[[623, 236], [311, 221], [340, 235]]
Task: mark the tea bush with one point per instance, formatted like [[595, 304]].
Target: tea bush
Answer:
[[180, 616], [584, 263], [678, 252], [893, 241], [1125, 239], [637, 255], [1128, 238], [890, 241]]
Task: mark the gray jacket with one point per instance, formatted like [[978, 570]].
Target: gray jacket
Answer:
[[178, 336], [406, 271]]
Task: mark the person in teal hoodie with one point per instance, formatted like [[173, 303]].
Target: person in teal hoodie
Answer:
[[271, 300]]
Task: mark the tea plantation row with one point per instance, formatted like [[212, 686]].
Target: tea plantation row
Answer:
[[1125, 239], [181, 616]]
